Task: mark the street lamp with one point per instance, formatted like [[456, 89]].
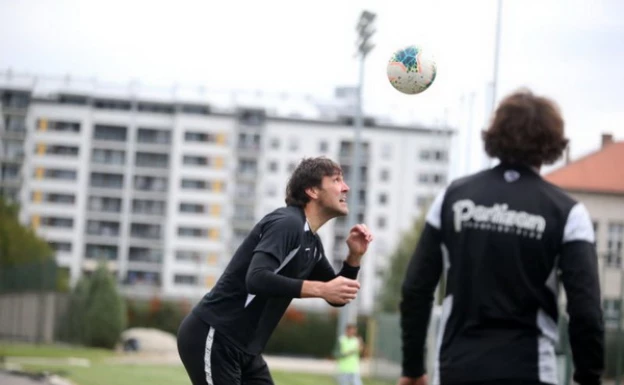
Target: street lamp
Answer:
[[365, 29], [499, 8]]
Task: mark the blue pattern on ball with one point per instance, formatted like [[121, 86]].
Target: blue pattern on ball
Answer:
[[408, 56]]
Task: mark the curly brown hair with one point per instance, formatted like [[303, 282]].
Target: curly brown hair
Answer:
[[309, 173], [526, 129]]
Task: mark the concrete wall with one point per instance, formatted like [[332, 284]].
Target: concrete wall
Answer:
[[31, 317]]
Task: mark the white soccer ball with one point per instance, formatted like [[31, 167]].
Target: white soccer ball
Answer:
[[411, 70]]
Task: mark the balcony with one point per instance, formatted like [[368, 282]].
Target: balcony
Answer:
[[145, 255], [145, 231]]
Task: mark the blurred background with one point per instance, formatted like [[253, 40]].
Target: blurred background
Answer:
[[140, 141]]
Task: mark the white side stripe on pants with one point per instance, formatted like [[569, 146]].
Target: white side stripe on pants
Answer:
[[207, 354]]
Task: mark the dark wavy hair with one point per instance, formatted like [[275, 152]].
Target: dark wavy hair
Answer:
[[309, 173], [526, 129]]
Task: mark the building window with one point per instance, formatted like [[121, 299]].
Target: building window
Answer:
[[323, 146], [188, 256], [113, 133], [384, 175], [200, 137], [150, 183], [185, 279], [195, 184], [61, 247], [103, 228], [381, 222], [104, 180], [111, 157], [615, 238], [60, 222], [145, 254], [192, 208], [148, 159], [56, 174], [273, 166], [149, 207], [57, 198], [383, 198], [275, 143], [105, 204], [190, 160], [153, 136], [145, 231], [438, 178]]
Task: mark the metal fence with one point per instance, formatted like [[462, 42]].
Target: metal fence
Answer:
[[30, 306], [29, 277]]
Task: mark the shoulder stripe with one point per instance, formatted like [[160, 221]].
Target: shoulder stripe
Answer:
[[579, 226], [434, 216], [288, 258]]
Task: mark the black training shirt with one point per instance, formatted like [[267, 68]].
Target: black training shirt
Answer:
[[264, 275], [505, 238]]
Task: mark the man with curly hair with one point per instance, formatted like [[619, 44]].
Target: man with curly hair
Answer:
[[504, 237], [221, 341]]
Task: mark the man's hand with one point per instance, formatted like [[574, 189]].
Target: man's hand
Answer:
[[340, 290], [422, 380], [358, 241]]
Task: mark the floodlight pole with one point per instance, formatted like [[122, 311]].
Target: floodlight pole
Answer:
[[348, 313], [499, 8]]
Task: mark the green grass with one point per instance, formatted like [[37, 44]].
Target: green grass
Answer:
[[103, 373], [121, 374], [53, 351]]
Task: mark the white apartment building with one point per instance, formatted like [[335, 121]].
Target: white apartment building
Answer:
[[164, 188]]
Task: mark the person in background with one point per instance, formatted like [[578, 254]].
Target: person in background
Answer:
[[350, 347]]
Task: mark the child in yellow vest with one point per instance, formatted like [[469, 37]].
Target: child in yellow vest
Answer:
[[348, 358]]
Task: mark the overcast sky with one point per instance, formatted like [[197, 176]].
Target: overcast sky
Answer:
[[571, 50]]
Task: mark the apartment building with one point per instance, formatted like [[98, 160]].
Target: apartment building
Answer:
[[165, 187], [597, 180]]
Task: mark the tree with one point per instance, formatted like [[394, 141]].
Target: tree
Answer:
[[393, 279], [74, 327], [390, 296], [19, 244], [106, 315]]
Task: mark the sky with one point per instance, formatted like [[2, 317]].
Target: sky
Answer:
[[569, 50]]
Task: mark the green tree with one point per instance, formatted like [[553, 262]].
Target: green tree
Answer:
[[390, 296], [74, 326], [19, 244], [105, 316]]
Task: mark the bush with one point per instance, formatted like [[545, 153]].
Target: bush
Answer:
[[73, 328], [157, 314], [307, 334], [105, 317]]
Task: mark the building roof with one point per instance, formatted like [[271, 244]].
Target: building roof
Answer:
[[600, 172]]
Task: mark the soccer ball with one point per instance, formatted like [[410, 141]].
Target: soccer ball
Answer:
[[411, 70]]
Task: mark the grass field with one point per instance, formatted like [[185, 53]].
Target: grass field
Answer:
[[103, 373]]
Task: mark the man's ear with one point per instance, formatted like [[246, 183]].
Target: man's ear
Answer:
[[312, 192]]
